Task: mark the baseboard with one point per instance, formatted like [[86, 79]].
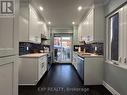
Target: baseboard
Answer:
[[111, 89]]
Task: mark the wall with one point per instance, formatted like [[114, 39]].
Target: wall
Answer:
[[116, 77]]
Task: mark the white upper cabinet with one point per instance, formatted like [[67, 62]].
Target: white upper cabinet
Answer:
[[86, 28], [34, 25], [92, 28], [24, 21], [98, 24], [80, 33], [75, 35], [31, 25]]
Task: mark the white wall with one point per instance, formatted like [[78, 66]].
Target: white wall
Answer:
[[115, 76]]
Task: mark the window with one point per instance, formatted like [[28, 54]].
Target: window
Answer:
[[113, 37], [116, 37]]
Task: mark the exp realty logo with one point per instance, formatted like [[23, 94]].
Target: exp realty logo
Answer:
[[7, 7]]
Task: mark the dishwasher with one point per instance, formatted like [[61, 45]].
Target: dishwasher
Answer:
[[80, 68]]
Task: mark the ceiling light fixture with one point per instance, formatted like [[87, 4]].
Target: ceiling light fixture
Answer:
[[73, 22], [49, 22], [41, 8], [80, 8]]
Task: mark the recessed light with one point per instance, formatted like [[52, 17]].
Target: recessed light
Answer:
[[41, 8], [73, 22], [80, 8], [49, 22]]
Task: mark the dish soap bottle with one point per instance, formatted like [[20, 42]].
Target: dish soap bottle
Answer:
[[79, 49]]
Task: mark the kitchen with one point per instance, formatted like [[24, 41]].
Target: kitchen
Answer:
[[63, 47]]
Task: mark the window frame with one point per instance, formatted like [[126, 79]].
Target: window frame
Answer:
[[108, 38]]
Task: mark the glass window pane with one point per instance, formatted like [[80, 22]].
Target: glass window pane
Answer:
[[114, 36]]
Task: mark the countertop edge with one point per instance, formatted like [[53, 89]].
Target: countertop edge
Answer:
[[89, 56], [33, 56]]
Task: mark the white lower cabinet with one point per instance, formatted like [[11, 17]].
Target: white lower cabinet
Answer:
[[75, 60], [42, 67], [93, 71], [32, 69], [6, 79], [91, 29]]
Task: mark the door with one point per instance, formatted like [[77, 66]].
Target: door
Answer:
[[6, 76], [8, 52], [6, 36], [63, 49]]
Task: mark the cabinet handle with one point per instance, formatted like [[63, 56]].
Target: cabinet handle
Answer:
[[125, 60], [120, 59]]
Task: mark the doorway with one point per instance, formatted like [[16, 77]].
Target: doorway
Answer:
[[62, 48]]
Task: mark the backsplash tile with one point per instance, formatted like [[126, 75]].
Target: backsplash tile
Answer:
[[87, 47], [24, 48], [27, 47], [90, 48]]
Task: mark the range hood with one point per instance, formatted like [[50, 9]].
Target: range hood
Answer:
[[43, 37]]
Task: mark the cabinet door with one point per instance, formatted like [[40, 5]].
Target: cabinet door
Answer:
[[24, 21], [91, 28], [40, 69], [83, 31], [88, 27], [34, 33], [85, 23], [6, 76], [6, 36], [44, 60], [79, 33], [93, 68]]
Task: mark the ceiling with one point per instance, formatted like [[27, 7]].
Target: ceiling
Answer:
[[61, 13]]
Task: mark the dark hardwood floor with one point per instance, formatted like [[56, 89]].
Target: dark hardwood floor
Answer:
[[62, 79]]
